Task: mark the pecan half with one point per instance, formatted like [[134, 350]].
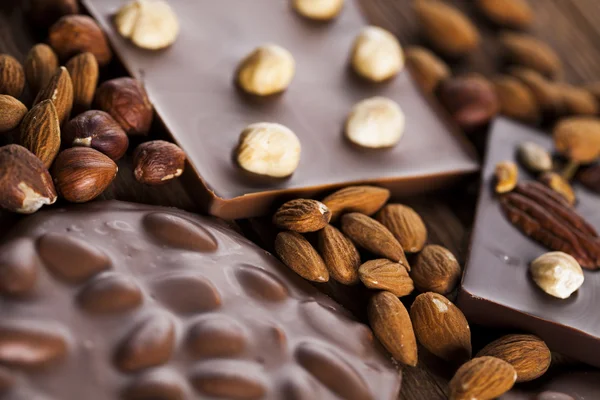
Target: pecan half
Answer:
[[547, 218]]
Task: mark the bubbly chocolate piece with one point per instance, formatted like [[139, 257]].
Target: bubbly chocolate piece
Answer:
[[497, 288], [192, 87], [113, 300]]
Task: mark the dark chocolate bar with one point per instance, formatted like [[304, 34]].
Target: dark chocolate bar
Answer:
[[114, 300], [497, 289], [192, 87]]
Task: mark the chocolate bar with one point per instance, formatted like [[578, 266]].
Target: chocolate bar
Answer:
[[573, 385], [497, 289], [115, 300], [192, 87]]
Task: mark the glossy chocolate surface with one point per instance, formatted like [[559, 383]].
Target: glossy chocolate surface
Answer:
[[192, 87], [497, 289], [115, 300], [574, 385]]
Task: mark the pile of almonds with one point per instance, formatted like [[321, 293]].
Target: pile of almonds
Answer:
[[355, 237], [69, 139]]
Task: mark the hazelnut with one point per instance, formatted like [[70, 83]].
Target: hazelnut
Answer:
[[320, 10], [560, 185], [268, 149], [149, 24], [40, 66], [507, 176], [534, 157], [578, 138], [25, 184], [269, 69], [375, 123], [557, 274], [516, 99], [74, 34], [12, 112], [81, 174], [427, 68], [98, 130], [377, 54], [12, 76], [471, 100], [83, 69], [157, 162], [44, 13], [126, 100]]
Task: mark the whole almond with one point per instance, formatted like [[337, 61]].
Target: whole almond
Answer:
[[340, 255], [441, 327], [392, 326], [12, 112], [447, 28], [373, 236], [302, 215], [384, 274], [60, 90], [546, 93], [427, 68], [528, 51], [74, 34], [83, 69], [40, 132], [436, 270], [81, 174], [406, 225], [507, 13], [528, 354], [578, 101], [40, 66], [300, 256], [25, 184], [482, 378], [157, 162], [363, 199], [12, 76], [516, 99]]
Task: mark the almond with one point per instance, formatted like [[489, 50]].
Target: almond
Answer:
[[340, 255], [40, 66], [528, 51], [60, 91], [391, 324], [441, 327], [302, 215], [12, 112], [482, 378], [83, 69], [12, 76], [300, 256], [363, 199], [516, 99], [74, 34], [436, 270], [426, 68], [448, 29], [528, 355], [507, 13], [386, 275], [406, 225], [578, 101], [40, 132], [373, 236], [546, 93]]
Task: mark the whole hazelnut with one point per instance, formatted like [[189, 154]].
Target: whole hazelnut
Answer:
[[74, 34], [267, 70], [81, 174], [557, 274], [319, 10], [126, 100], [150, 25], [471, 100], [44, 13], [377, 122], [98, 130], [157, 162], [377, 54], [25, 184], [268, 149]]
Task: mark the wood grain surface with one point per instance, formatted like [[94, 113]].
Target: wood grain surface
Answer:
[[570, 26]]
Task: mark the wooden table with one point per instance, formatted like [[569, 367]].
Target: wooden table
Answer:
[[570, 26]]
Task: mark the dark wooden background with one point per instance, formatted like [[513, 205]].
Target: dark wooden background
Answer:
[[570, 26]]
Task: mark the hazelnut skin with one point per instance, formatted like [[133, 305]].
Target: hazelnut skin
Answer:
[[157, 162], [126, 100], [98, 130], [74, 34]]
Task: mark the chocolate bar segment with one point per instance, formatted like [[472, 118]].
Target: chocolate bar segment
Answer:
[[497, 289], [115, 300], [192, 87]]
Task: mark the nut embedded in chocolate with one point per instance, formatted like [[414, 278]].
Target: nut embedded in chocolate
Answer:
[[376, 54], [507, 176], [557, 274], [375, 123], [74, 34], [319, 10], [151, 25], [267, 70], [157, 162], [534, 157], [560, 185], [578, 138]]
